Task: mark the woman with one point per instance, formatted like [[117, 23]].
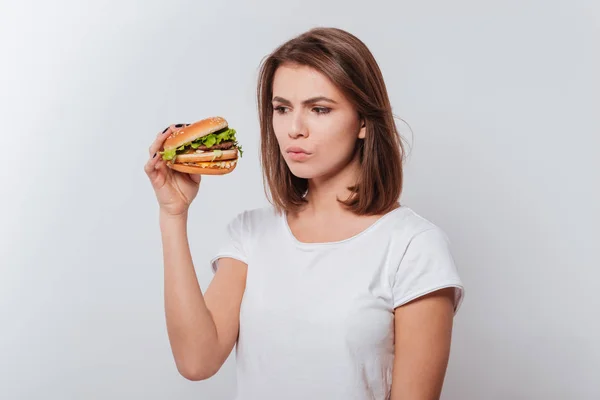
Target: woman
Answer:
[[336, 291]]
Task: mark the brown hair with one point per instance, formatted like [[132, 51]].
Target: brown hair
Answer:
[[349, 64]]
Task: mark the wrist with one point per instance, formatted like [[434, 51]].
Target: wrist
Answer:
[[165, 216]]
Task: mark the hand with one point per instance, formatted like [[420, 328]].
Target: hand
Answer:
[[174, 190]]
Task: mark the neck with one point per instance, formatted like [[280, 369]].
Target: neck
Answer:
[[324, 192]]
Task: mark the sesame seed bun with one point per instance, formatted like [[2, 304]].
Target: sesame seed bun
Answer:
[[194, 131]]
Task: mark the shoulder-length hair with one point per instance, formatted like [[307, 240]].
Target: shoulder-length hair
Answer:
[[349, 64]]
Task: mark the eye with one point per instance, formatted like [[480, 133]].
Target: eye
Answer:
[[279, 109], [322, 110]]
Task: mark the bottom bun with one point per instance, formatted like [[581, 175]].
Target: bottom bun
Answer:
[[198, 170]]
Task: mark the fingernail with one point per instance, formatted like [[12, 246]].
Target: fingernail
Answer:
[[154, 155], [166, 129], [178, 125]]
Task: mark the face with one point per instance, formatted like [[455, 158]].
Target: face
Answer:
[[315, 125]]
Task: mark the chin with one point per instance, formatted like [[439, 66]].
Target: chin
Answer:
[[313, 169], [308, 171], [303, 171]]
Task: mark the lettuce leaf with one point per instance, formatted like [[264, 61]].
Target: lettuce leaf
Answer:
[[169, 154], [223, 135]]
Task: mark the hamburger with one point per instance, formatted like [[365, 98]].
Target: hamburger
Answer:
[[206, 147]]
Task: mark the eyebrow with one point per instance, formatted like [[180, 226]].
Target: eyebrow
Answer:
[[305, 102]]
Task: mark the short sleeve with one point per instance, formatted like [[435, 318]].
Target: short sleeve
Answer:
[[233, 244], [426, 266]]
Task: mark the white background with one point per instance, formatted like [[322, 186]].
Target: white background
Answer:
[[503, 101]]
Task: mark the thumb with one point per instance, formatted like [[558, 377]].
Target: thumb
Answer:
[[195, 177]]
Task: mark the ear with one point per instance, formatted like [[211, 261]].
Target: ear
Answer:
[[363, 130]]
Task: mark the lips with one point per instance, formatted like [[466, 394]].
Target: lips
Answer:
[[296, 149], [297, 153]]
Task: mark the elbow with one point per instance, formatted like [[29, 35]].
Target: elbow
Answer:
[[197, 372], [198, 365]]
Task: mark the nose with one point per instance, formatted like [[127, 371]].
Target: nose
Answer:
[[298, 127]]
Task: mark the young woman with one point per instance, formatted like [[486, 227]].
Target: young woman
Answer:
[[335, 291]]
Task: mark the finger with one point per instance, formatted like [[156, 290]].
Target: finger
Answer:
[[162, 136], [195, 177], [150, 166], [159, 140], [150, 171], [162, 166], [164, 131]]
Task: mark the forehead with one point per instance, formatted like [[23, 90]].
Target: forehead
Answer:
[[300, 82]]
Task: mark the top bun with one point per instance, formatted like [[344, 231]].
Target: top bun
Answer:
[[194, 131]]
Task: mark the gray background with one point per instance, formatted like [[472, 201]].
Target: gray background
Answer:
[[502, 98]]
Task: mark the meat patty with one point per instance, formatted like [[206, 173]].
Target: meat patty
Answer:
[[220, 146]]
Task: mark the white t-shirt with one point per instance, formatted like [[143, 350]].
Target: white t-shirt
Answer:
[[317, 319]]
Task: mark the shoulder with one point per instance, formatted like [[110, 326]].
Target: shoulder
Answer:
[[423, 259], [406, 225], [240, 234], [251, 221]]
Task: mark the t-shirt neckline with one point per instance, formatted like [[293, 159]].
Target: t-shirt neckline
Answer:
[[368, 229]]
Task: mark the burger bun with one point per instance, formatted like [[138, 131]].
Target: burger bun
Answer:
[[194, 131], [202, 168]]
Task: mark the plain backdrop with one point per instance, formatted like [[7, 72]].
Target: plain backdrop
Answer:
[[499, 102]]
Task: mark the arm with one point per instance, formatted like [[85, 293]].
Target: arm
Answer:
[[423, 330], [202, 329]]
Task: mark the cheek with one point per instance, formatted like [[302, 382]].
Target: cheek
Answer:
[[279, 128], [336, 145], [336, 153], [336, 137], [332, 153]]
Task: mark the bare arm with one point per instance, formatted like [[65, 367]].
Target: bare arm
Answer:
[[423, 330], [202, 329]]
